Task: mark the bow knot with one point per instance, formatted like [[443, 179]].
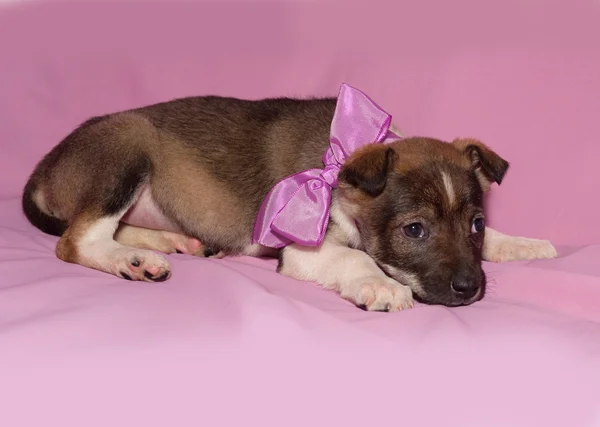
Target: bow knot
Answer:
[[330, 174], [297, 207]]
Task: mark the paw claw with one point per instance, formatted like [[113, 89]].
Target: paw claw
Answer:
[[208, 252], [161, 278]]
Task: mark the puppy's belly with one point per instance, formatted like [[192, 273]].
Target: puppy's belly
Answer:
[[146, 213]]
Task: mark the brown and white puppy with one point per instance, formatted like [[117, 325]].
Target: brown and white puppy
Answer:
[[407, 218]]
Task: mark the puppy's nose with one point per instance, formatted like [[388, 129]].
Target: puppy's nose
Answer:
[[464, 288]]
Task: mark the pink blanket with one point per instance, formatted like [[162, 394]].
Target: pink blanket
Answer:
[[230, 342]]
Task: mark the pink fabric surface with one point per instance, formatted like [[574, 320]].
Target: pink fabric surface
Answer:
[[230, 342]]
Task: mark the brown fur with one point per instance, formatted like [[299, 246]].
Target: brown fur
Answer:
[[67, 246], [219, 155], [489, 167], [208, 163], [396, 185]]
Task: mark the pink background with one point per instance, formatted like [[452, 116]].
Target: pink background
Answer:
[[230, 342], [521, 75]]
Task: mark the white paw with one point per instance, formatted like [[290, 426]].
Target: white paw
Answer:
[[187, 245], [182, 244], [520, 249], [377, 293], [139, 264]]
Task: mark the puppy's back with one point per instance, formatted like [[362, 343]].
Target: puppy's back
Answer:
[[195, 152]]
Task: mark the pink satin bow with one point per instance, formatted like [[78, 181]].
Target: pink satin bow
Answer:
[[297, 207]]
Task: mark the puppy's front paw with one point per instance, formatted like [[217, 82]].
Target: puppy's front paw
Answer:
[[520, 249], [377, 293]]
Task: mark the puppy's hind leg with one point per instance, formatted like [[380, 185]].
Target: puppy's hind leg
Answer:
[[162, 241], [89, 241], [89, 238]]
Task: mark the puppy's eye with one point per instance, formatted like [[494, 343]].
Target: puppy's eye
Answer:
[[478, 225], [414, 231]]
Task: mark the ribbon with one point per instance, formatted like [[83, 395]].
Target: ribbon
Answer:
[[296, 209]]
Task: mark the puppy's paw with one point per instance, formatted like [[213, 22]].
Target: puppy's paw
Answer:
[[206, 252], [183, 244], [519, 249], [157, 240], [190, 246], [142, 265], [377, 293]]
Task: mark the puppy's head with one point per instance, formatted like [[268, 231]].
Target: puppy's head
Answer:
[[418, 203]]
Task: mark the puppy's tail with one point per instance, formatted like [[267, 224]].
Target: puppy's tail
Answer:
[[34, 213]]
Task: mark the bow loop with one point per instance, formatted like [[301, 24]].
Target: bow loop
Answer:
[[304, 217], [297, 207]]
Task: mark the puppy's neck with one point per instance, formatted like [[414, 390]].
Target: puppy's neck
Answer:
[[342, 226]]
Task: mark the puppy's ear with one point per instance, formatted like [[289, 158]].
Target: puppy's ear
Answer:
[[367, 169], [487, 165]]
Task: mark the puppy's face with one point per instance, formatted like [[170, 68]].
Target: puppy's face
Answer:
[[419, 206]]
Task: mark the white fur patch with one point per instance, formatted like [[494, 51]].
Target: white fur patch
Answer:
[[39, 199], [499, 247], [257, 250], [449, 188], [396, 129], [350, 272], [102, 230], [158, 240], [346, 224], [406, 278], [97, 249]]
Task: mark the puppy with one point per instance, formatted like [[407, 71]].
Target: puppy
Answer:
[[406, 218]]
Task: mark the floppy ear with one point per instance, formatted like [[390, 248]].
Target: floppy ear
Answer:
[[367, 169], [487, 165]]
